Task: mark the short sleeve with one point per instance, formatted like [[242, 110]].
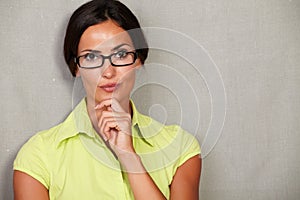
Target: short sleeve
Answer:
[[31, 159], [189, 146]]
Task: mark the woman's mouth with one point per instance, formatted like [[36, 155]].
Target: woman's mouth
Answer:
[[111, 87]]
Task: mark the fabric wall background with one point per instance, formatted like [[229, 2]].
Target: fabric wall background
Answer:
[[255, 44]]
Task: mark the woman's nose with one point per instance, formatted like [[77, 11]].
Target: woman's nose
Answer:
[[109, 70]]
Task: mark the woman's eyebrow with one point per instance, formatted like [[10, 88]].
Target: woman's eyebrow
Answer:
[[119, 46], [97, 51], [90, 50]]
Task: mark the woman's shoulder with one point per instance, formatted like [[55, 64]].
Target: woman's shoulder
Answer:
[[162, 134], [35, 156], [41, 140], [171, 145]]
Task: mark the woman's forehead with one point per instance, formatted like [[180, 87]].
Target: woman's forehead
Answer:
[[104, 35]]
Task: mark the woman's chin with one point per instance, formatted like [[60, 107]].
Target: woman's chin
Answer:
[[105, 96]]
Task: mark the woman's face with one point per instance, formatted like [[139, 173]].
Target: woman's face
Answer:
[[107, 81]]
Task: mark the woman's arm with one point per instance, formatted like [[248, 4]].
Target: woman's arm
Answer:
[[28, 188], [185, 184], [115, 127]]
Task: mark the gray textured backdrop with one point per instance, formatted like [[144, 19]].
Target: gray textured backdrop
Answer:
[[255, 44]]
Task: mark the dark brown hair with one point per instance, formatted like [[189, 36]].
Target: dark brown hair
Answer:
[[95, 12]]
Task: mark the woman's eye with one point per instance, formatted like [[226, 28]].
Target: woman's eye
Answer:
[[91, 57], [121, 54]]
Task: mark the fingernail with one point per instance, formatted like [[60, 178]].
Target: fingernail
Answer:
[[97, 106], [105, 138]]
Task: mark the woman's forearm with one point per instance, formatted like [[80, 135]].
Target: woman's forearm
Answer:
[[141, 183]]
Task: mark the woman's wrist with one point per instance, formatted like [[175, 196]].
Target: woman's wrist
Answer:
[[131, 162]]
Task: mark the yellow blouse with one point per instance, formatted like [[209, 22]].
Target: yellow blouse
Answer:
[[72, 161]]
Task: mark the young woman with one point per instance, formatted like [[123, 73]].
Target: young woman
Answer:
[[106, 149]]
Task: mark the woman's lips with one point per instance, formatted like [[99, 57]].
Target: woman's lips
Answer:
[[111, 87]]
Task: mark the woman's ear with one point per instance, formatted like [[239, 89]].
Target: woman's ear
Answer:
[[138, 63], [77, 73]]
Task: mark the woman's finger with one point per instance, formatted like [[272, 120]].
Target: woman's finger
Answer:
[[113, 103], [117, 123], [115, 116]]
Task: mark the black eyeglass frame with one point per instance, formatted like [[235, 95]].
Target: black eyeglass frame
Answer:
[[135, 56]]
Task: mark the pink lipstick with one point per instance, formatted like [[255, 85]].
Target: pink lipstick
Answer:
[[110, 87]]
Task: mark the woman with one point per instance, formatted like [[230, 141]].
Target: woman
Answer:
[[106, 149]]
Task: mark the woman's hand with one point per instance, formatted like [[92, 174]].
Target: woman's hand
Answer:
[[115, 126]]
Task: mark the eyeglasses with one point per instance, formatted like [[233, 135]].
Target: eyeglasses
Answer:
[[94, 59]]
